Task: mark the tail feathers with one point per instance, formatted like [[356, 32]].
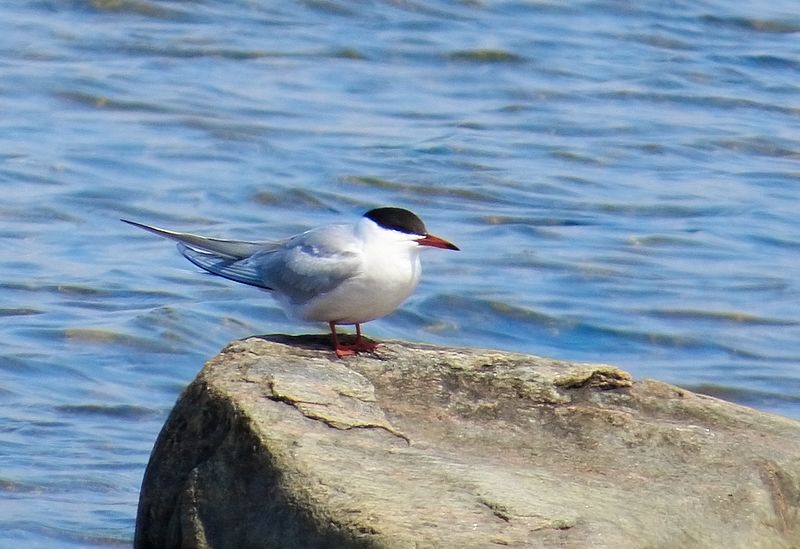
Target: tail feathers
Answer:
[[230, 249], [226, 267]]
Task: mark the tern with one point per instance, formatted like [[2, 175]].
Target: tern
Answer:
[[339, 274]]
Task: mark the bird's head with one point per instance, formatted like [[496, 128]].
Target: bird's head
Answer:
[[406, 226]]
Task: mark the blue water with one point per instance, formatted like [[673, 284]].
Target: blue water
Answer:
[[621, 177]]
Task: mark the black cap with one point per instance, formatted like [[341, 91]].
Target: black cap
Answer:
[[397, 219]]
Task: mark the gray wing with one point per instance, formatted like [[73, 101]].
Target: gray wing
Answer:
[[217, 256], [231, 249], [309, 264], [301, 268]]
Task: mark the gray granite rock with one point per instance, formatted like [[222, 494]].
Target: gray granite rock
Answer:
[[278, 443]]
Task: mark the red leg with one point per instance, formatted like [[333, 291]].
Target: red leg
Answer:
[[339, 349]]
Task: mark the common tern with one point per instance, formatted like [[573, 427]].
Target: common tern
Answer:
[[339, 274]]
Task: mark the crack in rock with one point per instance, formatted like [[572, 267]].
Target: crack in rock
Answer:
[[310, 409]]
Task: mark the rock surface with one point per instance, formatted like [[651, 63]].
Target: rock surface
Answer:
[[279, 444]]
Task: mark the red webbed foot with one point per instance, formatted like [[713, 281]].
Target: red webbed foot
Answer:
[[360, 345]]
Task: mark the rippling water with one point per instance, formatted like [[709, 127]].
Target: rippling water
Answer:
[[622, 179]]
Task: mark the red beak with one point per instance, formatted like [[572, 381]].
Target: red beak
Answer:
[[436, 242]]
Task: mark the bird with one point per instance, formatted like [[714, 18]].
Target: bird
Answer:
[[338, 274]]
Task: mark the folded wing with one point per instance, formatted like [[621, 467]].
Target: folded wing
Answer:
[[310, 264], [300, 269]]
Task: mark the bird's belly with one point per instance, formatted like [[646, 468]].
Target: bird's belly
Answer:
[[359, 299]]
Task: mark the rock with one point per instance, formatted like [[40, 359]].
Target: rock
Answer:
[[278, 443]]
